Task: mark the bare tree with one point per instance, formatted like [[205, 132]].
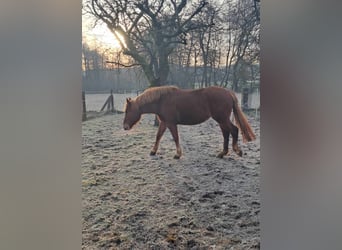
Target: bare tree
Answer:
[[92, 62], [225, 50], [169, 41], [149, 31], [205, 39], [245, 26], [243, 39]]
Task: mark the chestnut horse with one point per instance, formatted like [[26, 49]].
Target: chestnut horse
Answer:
[[189, 107]]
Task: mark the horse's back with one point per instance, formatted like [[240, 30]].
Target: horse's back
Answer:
[[195, 106], [217, 94], [220, 102], [214, 97], [186, 107]]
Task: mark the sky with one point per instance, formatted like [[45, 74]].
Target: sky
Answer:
[[98, 35]]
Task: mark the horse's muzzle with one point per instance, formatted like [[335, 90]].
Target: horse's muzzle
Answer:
[[126, 127]]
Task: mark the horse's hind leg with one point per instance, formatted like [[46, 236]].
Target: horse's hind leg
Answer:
[[225, 133], [235, 134], [161, 130], [174, 133]]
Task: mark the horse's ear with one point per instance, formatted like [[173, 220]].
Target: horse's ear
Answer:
[[128, 100]]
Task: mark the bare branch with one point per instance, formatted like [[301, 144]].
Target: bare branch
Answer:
[[124, 65], [134, 23]]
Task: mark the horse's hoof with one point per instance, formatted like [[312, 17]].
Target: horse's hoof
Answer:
[[176, 157], [152, 153], [240, 153], [223, 153], [220, 155]]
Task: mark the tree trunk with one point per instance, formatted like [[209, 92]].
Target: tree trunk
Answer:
[[84, 113]]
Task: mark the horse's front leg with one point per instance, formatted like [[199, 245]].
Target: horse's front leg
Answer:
[[161, 130], [174, 133]]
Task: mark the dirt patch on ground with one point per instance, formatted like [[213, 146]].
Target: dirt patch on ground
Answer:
[[132, 200]]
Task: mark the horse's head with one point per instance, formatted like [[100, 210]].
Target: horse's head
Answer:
[[132, 114]]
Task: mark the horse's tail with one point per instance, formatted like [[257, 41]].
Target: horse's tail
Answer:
[[241, 120]]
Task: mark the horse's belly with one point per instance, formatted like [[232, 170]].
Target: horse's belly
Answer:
[[191, 122], [191, 118]]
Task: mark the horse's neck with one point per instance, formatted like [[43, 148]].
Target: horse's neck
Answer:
[[148, 108]]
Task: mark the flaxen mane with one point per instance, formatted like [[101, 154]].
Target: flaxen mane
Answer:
[[153, 94]]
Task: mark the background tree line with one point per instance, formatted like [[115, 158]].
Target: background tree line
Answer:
[[189, 44]]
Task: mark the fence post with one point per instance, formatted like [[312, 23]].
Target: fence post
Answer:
[[84, 111], [109, 103], [112, 100]]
